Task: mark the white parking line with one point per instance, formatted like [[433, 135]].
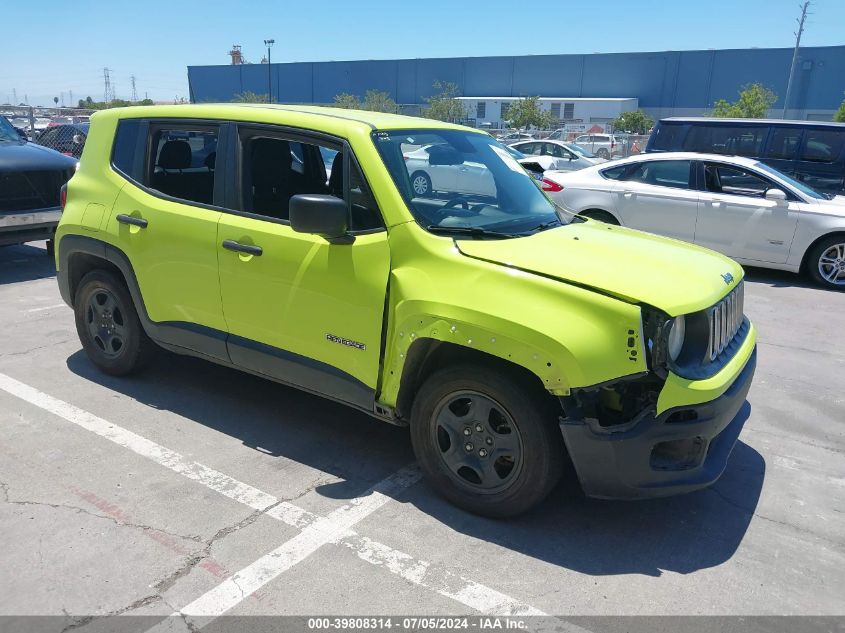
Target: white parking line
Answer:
[[208, 477], [316, 531], [42, 309], [322, 531]]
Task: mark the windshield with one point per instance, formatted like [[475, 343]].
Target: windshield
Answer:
[[580, 150], [464, 183], [7, 132], [800, 186]]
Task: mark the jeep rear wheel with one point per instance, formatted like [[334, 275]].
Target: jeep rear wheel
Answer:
[[487, 443], [108, 326]]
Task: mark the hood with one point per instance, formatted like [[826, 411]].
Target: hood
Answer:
[[637, 267], [835, 206], [22, 156]]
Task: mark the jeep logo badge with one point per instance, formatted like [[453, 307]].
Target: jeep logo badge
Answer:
[[728, 278]]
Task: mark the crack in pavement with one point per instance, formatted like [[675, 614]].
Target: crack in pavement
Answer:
[[35, 349], [80, 510]]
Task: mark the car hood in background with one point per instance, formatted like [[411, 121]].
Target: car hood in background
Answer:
[[637, 267], [22, 156], [836, 206]]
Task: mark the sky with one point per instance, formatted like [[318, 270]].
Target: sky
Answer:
[[51, 48]]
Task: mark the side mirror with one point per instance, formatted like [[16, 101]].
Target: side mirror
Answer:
[[22, 134], [778, 195], [77, 139], [321, 214]]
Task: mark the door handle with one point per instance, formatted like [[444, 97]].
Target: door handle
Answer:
[[249, 249], [129, 219], [628, 194], [716, 203]]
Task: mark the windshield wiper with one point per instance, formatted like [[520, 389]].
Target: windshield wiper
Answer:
[[468, 230], [545, 225]]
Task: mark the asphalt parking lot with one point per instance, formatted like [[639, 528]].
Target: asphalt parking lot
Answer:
[[197, 488]]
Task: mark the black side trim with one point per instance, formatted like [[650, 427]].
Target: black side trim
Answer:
[[192, 339], [300, 371]]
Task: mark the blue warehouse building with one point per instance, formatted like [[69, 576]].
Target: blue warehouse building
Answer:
[[664, 83]]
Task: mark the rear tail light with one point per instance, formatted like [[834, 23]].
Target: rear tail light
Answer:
[[63, 196], [549, 185]]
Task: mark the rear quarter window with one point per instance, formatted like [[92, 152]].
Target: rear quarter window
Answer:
[[614, 173]]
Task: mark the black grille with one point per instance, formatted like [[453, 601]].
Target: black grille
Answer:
[[31, 190]]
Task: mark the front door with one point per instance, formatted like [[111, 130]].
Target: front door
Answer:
[[736, 219], [298, 308], [166, 225], [657, 196]]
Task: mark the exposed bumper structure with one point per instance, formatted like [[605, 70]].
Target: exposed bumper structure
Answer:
[[682, 449]]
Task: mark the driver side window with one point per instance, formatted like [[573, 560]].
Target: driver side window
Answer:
[[734, 181]]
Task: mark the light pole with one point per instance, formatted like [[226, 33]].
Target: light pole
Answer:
[[268, 44]]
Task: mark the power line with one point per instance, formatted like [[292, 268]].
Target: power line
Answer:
[[800, 21]]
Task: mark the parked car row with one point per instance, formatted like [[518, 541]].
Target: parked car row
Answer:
[[738, 206]]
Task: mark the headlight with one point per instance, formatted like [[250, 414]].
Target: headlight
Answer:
[[675, 340]]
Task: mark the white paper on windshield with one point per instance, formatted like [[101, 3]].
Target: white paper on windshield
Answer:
[[509, 160]]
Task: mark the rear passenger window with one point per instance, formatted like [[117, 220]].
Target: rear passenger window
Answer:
[[127, 156], [615, 173], [667, 137], [823, 146], [740, 140], [784, 143], [662, 173], [183, 162]]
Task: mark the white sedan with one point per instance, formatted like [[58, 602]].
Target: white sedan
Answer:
[[738, 206], [565, 156]]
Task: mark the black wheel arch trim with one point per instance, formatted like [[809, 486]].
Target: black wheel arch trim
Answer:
[[221, 347]]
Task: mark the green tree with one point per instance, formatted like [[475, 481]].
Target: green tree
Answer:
[[445, 105], [526, 113], [840, 113], [633, 121], [754, 102], [250, 97], [145, 102], [380, 101], [348, 101]]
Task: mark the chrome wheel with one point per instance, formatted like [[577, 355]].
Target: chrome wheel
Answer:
[[832, 264], [478, 441], [421, 185], [105, 323]]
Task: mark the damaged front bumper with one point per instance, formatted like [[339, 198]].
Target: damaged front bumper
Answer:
[[681, 449]]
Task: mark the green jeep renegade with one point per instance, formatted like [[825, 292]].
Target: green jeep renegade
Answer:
[[412, 270]]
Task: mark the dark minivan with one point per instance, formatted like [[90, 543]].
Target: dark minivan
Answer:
[[810, 151]]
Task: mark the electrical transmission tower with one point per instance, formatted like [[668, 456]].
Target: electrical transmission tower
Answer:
[[800, 21], [134, 92], [108, 88]]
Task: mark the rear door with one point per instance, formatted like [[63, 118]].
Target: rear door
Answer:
[[659, 196], [165, 221], [736, 219], [298, 308]]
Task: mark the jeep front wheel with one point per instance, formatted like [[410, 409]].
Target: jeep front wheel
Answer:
[[487, 443]]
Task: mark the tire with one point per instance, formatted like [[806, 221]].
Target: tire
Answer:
[[421, 184], [117, 343], [530, 454], [826, 263], [603, 153], [601, 216]]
